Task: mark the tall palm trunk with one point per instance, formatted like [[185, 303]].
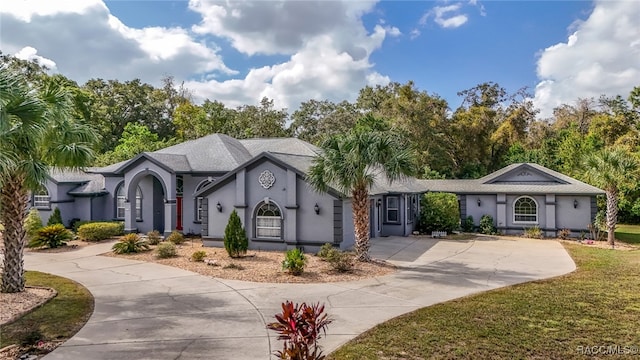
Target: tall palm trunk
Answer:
[[13, 198], [361, 222], [612, 215]]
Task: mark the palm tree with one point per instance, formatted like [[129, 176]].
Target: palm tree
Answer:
[[611, 169], [36, 131], [351, 162]]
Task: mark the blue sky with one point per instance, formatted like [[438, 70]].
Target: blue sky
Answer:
[[240, 51]]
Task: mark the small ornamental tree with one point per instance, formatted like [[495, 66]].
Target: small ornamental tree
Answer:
[[55, 218], [32, 223], [235, 237]]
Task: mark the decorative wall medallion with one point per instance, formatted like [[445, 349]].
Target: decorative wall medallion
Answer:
[[266, 179], [524, 173]]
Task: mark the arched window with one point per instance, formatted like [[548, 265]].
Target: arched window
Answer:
[[268, 221], [121, 199], [201, 186], [41, 198], [525, 210]]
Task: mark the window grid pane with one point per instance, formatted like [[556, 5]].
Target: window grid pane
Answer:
[[199, 209], [525, 210], [268, 222], [41, 201]]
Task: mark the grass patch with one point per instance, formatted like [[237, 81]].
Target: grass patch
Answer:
[[59, 319], [628, 233], [548, 319]]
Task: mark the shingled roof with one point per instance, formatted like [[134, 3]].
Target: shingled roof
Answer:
[[553, 182]]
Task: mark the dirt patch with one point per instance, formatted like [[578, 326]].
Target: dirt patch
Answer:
[[259, 266], [17, 304], [603, 244]]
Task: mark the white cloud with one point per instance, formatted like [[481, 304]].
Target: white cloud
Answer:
[[452, 22], [25, 10], [448, 17], [317, 71], [327, 44], [85, 41], [602, 56], [30, 54]]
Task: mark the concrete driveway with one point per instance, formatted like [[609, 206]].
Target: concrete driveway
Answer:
[[151, 311]]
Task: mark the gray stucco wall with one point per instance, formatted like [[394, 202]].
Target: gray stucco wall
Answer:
[[572, 218], [312, 227], [301, 226], [217, 221], [487, 206], [349, 236]]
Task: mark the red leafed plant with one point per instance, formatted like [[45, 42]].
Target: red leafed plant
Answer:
[[300, 326]]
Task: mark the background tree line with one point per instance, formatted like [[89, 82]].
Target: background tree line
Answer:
[[489, 130]]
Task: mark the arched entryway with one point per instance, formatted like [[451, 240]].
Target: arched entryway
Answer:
[[149, 190]]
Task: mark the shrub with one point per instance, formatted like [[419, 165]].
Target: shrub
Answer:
[[198, 256], [176, 237], [153, 237], [564, 234], [52, 236], [439, 212], [235, 238], [300, 326], [55, 218], [325, 251], [533, 232], [233, 266], [130, 243], [96, 231], [486, 225], [341, 261], [32, 224], [294, 261], [468, 225], [166, 250]]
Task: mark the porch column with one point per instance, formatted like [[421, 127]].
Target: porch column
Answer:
[[501, 213], [169, 216], [291, 206], [129, 216], [550, 220]]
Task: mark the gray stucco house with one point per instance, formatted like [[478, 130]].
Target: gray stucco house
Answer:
[[194, 186], [525, 195]]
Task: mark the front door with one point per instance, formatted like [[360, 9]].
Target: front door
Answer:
[[178, 212]]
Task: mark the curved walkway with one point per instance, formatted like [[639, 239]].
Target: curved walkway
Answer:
[[152, 311]]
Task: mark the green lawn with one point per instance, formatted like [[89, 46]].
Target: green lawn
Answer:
[[58, 319], [628, 233], [597, 305]]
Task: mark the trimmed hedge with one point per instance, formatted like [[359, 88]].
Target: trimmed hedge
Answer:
[[97, 231]]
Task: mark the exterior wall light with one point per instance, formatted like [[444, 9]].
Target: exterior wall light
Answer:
[[379, 203], [479, 202], [219, 207], [316, 208], [575, 203]]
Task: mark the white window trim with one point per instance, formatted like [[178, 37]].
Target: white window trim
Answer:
[[138, 202], [256, 217], [42, 201], [396, 208], [198, 200], [513, 208]]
